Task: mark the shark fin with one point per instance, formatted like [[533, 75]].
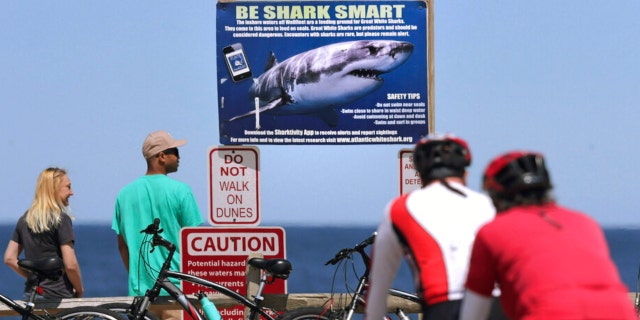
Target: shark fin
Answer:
[[271, 62], [271, 105], [330, 117]]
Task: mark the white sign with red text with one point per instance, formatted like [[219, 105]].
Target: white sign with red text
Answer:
[[233, 186], [409, 177]]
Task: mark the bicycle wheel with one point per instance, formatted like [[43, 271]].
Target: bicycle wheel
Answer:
[[125, 310], [89, 313], [308, 314]]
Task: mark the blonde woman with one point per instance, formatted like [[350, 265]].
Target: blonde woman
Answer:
[[45, 230]]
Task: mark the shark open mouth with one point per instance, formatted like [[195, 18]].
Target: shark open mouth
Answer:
[[367, 73]]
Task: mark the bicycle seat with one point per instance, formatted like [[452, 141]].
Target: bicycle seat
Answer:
[[279, 268], [50, 268]]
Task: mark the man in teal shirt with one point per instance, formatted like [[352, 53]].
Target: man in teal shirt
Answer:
[[151, 196]]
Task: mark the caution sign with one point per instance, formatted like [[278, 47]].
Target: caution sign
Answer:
[[233, 186], [409, 177], [220, 255]]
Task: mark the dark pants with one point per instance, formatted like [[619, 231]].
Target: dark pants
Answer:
[[451, 310]]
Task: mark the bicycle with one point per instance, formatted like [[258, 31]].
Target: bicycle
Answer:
[[357, 299], [271, 269], [52, 268]]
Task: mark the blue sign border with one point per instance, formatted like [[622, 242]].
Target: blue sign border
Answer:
[[272, 34]]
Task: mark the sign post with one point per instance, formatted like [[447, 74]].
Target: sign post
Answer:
[[233, 185]]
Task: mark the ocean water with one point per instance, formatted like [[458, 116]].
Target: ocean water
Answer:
[[308, 248]]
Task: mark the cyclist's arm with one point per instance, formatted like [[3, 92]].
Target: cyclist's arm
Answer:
[[124, 252], [475, 306], [11, 258], [72, 268], [386, 258]]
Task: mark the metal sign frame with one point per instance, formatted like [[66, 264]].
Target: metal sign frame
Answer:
[[298, 97]]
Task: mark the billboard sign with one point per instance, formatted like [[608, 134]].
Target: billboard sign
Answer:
[[322, 72]]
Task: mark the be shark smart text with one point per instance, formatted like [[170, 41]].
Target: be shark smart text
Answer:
[[362, 11]]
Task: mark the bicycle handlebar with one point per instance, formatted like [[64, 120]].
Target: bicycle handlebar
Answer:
[[154, 230], [358, 248]]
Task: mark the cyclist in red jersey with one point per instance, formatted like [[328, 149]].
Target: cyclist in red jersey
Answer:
[[549, 262], [434, 228]]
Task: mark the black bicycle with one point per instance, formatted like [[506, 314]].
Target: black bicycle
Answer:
[[139, 309], [357, 296], [52, 268]]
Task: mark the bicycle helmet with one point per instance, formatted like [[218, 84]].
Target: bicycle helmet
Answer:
[[438, 156], [516, 172]]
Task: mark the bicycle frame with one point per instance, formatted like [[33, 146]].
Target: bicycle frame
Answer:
[[51, 268], [141, 304], [181, 298], [357, 298], [26, 312]]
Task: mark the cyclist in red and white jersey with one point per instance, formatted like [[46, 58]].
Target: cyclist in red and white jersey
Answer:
[[433, 228]]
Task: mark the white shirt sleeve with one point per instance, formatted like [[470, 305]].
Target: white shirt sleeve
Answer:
[[475, 306], [386, 257]]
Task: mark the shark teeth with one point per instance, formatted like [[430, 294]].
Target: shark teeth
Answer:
[[366, 73]]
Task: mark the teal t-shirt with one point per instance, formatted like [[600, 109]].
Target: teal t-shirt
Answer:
[[137, 205]]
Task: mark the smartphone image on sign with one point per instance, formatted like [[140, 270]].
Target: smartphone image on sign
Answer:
[[236, 62]]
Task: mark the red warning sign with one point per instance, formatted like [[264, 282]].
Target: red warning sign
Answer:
[[409, 177], [220, 255]]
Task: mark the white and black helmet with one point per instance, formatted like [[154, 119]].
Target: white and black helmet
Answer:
[[438, 156]]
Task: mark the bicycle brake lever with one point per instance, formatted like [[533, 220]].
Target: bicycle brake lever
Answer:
[[148, 229], [332, 261], [366, 242], [339, 256], [153, 228]]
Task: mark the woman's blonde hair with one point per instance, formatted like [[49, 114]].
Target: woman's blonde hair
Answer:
[[47, 207]]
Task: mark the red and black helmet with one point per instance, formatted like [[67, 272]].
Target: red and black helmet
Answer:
[[516, 172], [441, 155]]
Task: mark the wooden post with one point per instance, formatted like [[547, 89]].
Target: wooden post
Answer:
[[290, 301], [253, 275]]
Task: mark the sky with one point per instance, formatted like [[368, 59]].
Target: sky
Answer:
[[83, 82]]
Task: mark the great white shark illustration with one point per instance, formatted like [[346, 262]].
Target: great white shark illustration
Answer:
[[317, 81]]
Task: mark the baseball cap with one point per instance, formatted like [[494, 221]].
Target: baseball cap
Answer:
[[159, 141]]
